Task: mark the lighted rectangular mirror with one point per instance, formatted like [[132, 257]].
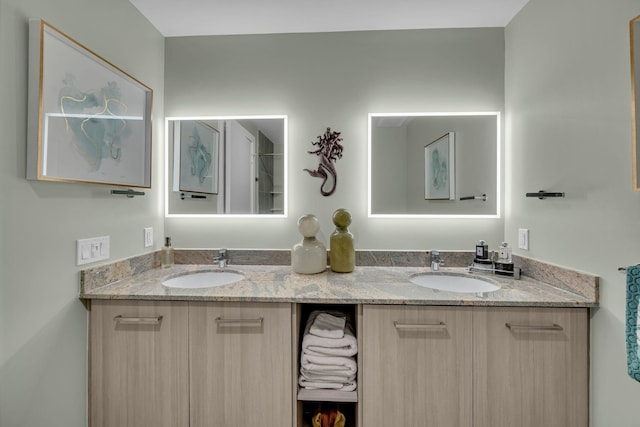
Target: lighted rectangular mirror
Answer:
[[226, 165], [402, 174]]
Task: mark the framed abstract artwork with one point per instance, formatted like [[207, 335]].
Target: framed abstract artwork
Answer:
[[439, 168], [89, 121], [199, 156]]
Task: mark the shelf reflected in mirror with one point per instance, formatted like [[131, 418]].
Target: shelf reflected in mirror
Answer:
[[226, 165], [400, 174]]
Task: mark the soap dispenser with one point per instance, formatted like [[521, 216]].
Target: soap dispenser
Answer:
[[166, 256], [504, 264], [482, 253]]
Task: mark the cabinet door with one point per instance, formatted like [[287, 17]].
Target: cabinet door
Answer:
[[138, 364], [240, 364], [416, 366], [531, 367]]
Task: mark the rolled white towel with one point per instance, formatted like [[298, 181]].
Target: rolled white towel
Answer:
[[319, 364], [327, 325]]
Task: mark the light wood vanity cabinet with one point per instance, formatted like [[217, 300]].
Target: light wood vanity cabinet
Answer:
[[240, 370], [416, 366], [179, 364], [139, 361], [531, 367], [223, 364], [486, 367]]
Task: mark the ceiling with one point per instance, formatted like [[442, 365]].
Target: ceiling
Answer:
[[176, 18]]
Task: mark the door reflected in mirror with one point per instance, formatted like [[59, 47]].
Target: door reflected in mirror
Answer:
[[400, 173], [223, 165]]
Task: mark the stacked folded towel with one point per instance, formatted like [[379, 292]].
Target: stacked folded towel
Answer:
[[328, 349]]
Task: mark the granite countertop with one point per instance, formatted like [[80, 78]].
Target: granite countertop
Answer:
[[365, 285]]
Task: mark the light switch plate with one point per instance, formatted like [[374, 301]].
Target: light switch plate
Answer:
[[148, 237], [523, 239], [92, 250]]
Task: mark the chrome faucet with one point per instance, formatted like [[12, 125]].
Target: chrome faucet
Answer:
[[221, 259], [436, 261]]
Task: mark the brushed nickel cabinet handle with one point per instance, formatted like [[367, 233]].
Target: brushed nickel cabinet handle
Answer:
[[419, 326], [126, 320], [553, 327], [221, 321]]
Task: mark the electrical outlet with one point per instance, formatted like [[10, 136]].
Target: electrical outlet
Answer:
[[148, 237], [92, 250], [523, 239]]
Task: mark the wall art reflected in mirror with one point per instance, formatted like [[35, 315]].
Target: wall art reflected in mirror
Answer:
[[464, 181], [226, 165]]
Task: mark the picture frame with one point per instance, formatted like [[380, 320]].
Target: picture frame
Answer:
[[199, 155], [89, 121], [439, 168]]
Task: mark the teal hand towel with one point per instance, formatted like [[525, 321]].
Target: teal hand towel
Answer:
[[633, 297]]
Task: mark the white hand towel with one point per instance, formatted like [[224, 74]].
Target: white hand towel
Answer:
[[318, 364], [345, 346], [351, 386], [327, 376], [324, 324]]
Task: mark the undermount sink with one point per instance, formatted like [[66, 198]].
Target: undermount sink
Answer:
[[203, 279], [454, 283]]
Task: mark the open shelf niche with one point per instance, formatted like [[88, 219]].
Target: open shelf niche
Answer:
[[310, 401]]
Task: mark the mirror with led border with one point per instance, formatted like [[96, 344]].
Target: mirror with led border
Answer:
[[434, 164], [226, 165]]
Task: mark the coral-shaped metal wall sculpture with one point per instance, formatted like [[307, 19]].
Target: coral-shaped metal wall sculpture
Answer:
[[329, 150]]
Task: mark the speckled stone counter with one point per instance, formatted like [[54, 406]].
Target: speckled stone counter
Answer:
[[365, 285]]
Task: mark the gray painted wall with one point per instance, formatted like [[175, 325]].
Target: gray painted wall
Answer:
[[43, 326], [568, 129]]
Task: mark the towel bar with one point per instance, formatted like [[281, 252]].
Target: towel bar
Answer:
[[544, 194], [192, 196], [129, 193], [483, 198]]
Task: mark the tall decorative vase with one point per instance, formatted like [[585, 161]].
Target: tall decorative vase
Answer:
[[310, 255], [342, 252]]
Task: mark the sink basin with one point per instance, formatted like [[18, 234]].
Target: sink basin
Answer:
[[203, 279], [454, 283]]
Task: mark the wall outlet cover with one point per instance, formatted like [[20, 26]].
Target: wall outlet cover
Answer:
[[148, 237], [523, 239], [92, 250]]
